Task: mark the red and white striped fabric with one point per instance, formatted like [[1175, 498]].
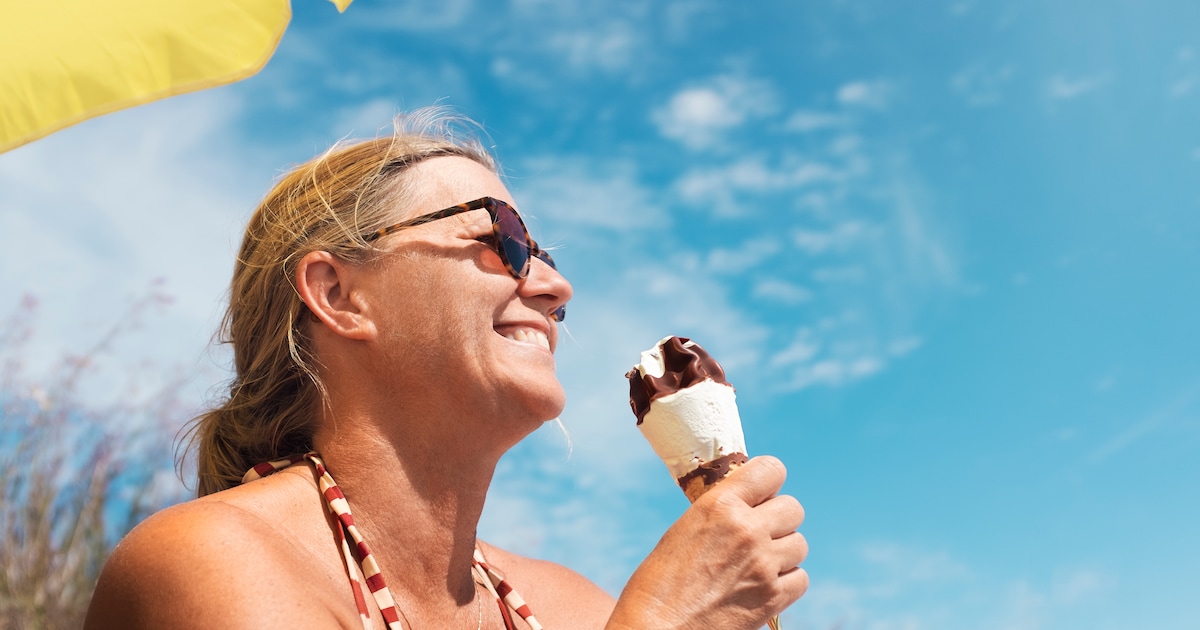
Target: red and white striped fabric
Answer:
[[505, 596], [492, 580]]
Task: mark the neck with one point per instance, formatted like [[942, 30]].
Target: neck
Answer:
[[417, 503]]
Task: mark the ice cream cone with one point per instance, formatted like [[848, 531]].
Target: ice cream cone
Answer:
[[688, 412]]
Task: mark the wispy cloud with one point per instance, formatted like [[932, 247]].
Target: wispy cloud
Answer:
[[722, 188], [1173, 410], [609, 48], [517, 74], [802, 350], [1065, 88], [1080, 585], [365, 120], [983, 84], [777, 290], [1183, 86], [698, 116], [902, 585], [682, 19], [408, 16], [1037, 605], [333, 67], [840, 237], [579, 194], [580, 41], [926, 256], [825, 254], [904, 345], [809, 120], [1186, 71], [871, 94], [844, 273], [898, 587], [962, 7], [834, 371], [822, 357], [750, 254], [835, 352], [1025, 607], [905, 564]]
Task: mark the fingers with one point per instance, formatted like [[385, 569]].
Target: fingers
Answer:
[[742, 536], [775, 517], [793, 584], [790, 550], [783, 514], [781, 517]]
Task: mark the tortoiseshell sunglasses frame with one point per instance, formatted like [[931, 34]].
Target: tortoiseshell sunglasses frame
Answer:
[[493, 207]]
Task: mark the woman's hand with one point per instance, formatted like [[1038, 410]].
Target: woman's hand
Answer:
[[729, 562]]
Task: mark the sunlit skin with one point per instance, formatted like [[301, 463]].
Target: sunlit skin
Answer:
[[426, 391]]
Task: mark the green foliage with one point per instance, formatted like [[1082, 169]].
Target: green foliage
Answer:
[[75, 474]]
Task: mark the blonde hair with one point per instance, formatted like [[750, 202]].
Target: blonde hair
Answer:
[[326, 204]]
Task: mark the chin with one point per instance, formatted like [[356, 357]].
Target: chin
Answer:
[[528, 396], [551, 407], [538, 392], [536, 412]]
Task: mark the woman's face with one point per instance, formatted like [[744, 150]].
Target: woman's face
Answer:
[[455, 328]]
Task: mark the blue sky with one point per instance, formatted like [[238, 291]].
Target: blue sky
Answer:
[[946, 252]]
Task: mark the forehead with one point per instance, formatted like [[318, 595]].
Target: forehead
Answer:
[[447, 181]]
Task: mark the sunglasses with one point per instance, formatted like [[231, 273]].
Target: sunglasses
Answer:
[[510, 238]]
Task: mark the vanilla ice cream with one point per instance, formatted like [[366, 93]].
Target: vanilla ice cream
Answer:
[[687, 411]]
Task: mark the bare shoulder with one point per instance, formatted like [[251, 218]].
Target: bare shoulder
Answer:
[[211, 563], [558, 596]]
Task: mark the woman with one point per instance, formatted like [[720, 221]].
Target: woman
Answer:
[[391, 318]]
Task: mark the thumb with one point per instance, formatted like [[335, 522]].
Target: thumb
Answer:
[[755, 481]]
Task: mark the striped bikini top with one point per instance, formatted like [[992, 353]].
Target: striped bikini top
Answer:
[[506, 598]]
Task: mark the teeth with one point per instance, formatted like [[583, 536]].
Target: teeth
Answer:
[[530, 336]]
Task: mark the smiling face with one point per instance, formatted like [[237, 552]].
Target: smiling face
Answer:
[[456, 332]]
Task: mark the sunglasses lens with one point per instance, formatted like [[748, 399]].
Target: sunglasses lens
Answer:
[[516, 246], [514, 239]]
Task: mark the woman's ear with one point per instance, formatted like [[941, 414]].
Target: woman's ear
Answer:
[[325, 284]]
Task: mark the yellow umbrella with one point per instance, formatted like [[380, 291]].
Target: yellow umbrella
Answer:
[[64, 61]]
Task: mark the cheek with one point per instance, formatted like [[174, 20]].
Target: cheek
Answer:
[[447, 303], [443, 325], [491, 261]]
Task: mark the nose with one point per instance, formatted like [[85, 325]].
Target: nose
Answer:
[[548, 287]]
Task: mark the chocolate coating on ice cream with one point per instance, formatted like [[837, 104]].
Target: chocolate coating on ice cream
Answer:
[[714, 471], [685, 363]]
